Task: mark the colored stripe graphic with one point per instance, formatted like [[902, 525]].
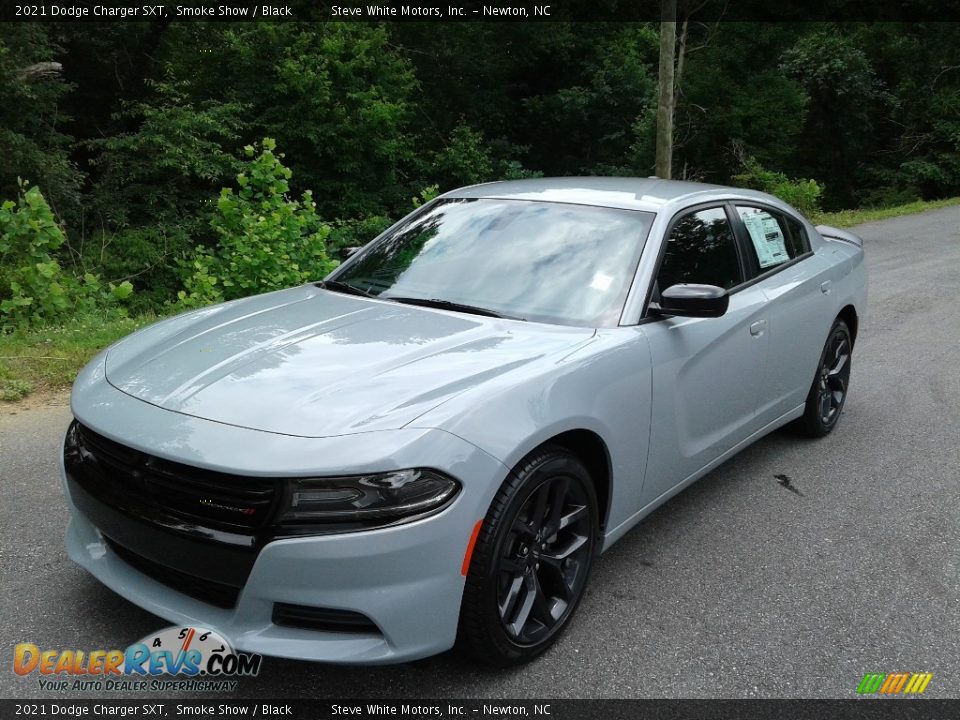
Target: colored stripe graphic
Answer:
[[894, 683], [922, 685], [871, 683]]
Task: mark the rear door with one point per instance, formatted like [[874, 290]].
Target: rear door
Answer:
[[794, 281], [707, 372]]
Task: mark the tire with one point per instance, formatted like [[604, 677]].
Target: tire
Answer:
[[526, 579], [828, 393]]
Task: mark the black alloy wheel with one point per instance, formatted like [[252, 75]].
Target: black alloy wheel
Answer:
[[531, 561], [543, 560], [829, 390]]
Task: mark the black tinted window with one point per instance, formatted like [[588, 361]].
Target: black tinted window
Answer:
[[775, 238], [798, 236], [701, 249]]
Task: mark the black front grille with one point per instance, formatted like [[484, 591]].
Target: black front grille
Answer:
[[194, 530], [209, 591], [219, 501], [323, 619]]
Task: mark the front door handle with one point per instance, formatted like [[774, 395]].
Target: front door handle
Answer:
[[757, 328], [825, 287]]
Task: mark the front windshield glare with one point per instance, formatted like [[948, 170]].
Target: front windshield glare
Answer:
[[547, 262]]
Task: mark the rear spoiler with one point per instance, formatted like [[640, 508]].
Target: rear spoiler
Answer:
[[832, 233]]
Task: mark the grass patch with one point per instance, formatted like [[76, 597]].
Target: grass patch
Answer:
[[50, 358], [849, 218]]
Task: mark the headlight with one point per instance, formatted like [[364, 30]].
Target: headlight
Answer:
[[381, 496]]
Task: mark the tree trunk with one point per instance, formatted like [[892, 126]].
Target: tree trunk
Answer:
[[681, 52], [665, 87]]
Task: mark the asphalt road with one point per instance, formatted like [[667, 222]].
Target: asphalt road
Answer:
[[739, 587]]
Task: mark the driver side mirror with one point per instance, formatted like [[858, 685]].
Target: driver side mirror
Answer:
[[689, 300]]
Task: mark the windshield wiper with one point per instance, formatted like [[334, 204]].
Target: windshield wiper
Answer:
[[449, 305], [339, 286], [343, 287]]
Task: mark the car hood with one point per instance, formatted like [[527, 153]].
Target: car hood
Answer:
[[313, 363]]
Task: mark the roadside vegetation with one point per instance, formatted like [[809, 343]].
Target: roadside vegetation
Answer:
[[49, 358], [849, 218], [149, 169]]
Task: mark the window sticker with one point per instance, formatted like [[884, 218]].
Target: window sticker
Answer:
[[767, 238]]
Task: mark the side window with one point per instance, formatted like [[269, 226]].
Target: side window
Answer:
[[775, 238], [798, 236], [701, 249]]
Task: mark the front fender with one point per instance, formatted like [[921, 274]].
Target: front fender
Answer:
[[603, 386]]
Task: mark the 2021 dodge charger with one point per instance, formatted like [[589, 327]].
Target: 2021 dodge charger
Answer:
[[431, 446]]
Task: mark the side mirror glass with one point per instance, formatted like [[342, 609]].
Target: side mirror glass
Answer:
[[689, 300]]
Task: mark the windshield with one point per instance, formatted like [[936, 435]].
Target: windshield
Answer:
[[548, 262]]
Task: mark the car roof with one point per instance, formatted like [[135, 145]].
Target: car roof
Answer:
[[649, 194]]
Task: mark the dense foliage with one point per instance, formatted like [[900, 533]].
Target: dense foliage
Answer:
[[34, 289], [131, 131], [265, 239]]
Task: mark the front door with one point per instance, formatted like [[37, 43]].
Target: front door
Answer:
[[707, 372]]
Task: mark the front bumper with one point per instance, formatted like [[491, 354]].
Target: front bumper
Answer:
[[406, 579]]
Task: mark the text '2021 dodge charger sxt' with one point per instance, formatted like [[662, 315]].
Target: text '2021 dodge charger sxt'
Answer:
[[431, 446]]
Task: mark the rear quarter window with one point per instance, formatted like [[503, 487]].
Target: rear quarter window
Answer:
[[774, 238]]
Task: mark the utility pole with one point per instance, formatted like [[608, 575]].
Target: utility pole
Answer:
[[665, 88]]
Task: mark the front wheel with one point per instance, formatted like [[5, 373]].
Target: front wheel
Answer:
[[531, 560], [829, 390]]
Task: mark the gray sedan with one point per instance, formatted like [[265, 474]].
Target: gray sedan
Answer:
[[430, 447]]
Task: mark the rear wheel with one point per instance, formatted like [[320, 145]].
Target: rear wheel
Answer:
[[829, 390], [531, 561]]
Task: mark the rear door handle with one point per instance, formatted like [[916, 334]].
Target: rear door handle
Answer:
[[825, 287], [757, 328]]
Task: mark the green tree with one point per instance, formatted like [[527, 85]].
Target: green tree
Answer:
[[34, 289], [266, 240], [464, 160], [588, 125], [32, 141], [845, 98], [733, 96], [336, 96], [180, 151], [917, 153]]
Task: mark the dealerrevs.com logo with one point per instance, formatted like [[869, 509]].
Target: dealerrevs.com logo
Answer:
[[177, 658]]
